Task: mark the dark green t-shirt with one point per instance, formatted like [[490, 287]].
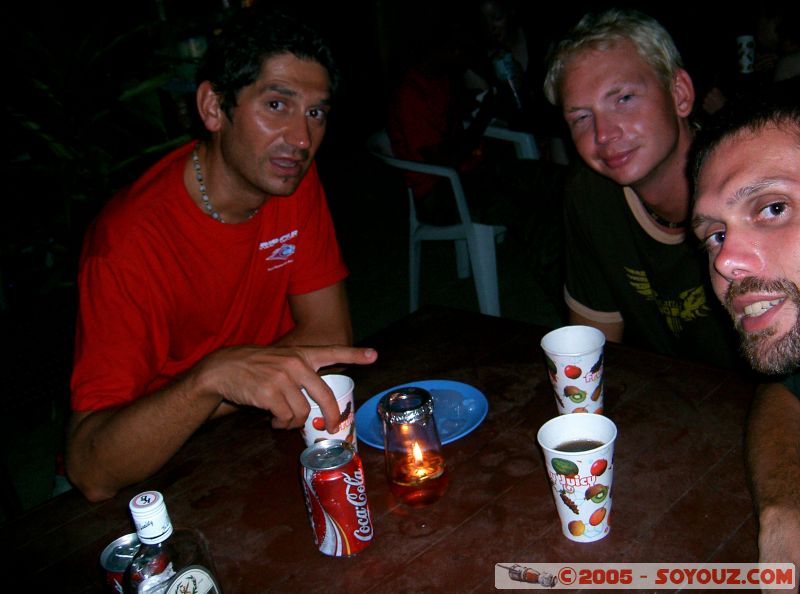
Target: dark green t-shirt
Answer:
[[621, 266]]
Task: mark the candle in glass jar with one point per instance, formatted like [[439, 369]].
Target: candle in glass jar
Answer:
[[415, 465], [420, 471], [418, 466], [418, 482]]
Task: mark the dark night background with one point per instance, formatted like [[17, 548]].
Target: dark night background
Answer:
[[73, 136], [95, 93]]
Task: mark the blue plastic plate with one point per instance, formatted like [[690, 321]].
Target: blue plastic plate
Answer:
[[457, 408]]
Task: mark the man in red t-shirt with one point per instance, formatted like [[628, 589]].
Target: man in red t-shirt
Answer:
[[204, 283]]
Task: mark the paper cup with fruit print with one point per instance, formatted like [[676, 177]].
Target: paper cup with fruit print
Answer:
[[574, 357], [579, 458], [314, 428]]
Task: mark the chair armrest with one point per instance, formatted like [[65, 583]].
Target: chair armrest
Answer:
[[440, 170], [379, 146], [524, 143]]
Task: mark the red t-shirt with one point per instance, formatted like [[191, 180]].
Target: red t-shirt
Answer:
[[162, 284]]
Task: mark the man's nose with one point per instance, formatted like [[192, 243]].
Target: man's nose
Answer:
[[606, 129], [737, 258], [298, 133]]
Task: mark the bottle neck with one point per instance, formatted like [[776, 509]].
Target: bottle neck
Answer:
[[154, 529], [150, 517]]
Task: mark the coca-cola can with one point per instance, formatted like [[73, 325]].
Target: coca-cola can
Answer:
[[336, 497], [115, 559]]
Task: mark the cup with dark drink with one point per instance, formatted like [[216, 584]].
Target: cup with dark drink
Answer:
[[579, 459]]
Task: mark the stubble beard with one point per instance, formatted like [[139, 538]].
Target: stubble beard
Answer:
[[773, 357]]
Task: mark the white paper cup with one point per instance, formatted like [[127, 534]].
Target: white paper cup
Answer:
[[314, 428], [581, 481], [574, 357]]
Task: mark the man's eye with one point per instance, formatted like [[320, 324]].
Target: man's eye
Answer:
[[773, 210], [578, 120], [625, 98], [318, 114], [714, 240], [275, 105]]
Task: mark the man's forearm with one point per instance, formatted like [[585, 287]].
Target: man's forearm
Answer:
[[773, 459], [773, 446], [110, 449]]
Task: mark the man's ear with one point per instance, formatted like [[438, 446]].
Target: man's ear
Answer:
[[209, 107], [682, 93]]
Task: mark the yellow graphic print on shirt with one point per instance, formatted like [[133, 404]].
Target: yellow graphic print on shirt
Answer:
[[689, 305]]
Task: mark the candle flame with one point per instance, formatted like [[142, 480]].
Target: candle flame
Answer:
[[417, 451]]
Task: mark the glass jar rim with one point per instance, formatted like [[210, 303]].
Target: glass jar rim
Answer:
[[406, 405]]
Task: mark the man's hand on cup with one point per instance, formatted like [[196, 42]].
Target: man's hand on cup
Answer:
[[271, 378]]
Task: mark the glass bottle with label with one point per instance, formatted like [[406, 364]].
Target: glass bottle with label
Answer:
[[169, 561]]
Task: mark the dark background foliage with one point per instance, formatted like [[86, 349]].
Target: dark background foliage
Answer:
[[100, 90]]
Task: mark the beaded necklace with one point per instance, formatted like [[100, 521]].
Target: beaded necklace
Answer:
[[198, 173]]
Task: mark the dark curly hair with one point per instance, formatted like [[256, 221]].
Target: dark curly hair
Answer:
[[251, 37]]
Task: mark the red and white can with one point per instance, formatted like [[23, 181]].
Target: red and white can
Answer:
[[336, 497], [116, 558]]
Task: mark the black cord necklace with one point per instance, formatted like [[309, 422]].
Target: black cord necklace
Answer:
[[661, 220]]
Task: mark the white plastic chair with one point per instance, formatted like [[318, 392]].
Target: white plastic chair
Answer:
[[474, 242], [524, 144]]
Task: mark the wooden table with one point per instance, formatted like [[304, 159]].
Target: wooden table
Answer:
[[679, 485]]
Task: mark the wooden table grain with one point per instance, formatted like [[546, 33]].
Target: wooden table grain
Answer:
[[680, 493]]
